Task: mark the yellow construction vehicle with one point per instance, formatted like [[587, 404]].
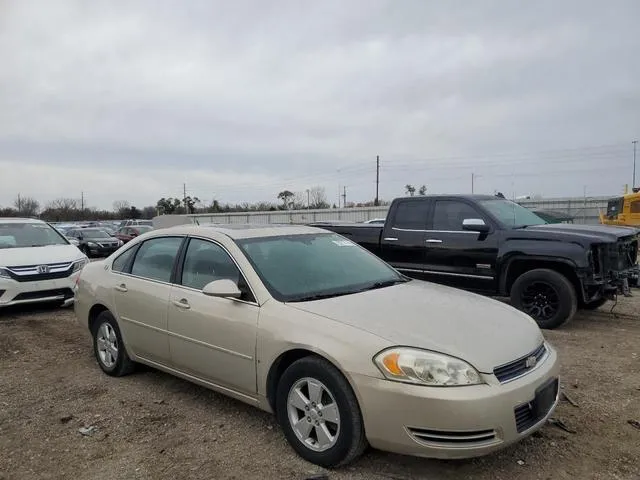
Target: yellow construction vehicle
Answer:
[[624, 210]]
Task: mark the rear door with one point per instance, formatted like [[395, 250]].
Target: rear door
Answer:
[[458, 257], [403, 239], [141, 291]]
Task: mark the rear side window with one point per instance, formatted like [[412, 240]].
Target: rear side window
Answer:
[[411, 215], [155, 258]]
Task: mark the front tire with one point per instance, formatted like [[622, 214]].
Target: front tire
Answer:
[[108, 347], [546, 295], [319, 413]]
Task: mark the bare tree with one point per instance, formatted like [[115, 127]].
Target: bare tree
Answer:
[[299, 201], [27, 206], [120, 206], [318, 198], [410, 190], [63, 204]]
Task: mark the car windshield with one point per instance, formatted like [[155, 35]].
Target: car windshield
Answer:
[[314, 266], [512, 215], [143, 228], [93, 233], [19, 235]]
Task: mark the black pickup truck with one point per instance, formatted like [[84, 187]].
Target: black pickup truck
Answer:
[[493, 246]]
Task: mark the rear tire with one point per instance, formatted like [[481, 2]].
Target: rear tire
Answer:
[[305, 416], [108, 346], [546, 295]]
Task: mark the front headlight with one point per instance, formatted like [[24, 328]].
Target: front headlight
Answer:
[[79, 265], [422, 367], [4, 273], [92, 244]]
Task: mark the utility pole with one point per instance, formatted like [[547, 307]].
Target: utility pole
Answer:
[[19, 204], [635, 143], [377, 201], [344, 197], [339, 189], [472, 178], [308, 200], [82, 201], [584, 205], [184, 197]]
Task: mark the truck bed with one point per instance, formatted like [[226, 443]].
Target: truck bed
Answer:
[[364, 234]]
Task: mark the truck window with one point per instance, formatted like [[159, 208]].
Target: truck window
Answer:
[[614, 207], [411, 215], [449, 214], [635, 206]]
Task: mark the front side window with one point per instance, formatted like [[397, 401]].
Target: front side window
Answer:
[[205, 262], [314, 266], [155, 258], [24, 235], [448, 215], [411, 215]]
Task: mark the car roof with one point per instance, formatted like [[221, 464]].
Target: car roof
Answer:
[[240, 231], [20, 220], [453, 195]]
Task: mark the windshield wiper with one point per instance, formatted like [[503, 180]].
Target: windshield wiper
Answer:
[[386, 283], [320, 296]]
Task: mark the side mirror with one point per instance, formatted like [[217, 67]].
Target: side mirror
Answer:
[[222, 288], [475, 225]]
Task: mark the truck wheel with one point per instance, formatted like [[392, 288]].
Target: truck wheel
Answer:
[[595, 304], [546, 295]]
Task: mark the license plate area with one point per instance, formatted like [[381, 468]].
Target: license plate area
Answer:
[[545, 398]]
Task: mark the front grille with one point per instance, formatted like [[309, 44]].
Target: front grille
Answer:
[[2, 292], [58, 292], [32, 273], [443, 437], [519, 367], [107, 245], [529, 414]]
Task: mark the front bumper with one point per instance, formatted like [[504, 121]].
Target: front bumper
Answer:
[[452, 422], [60, 290], [101, 251]]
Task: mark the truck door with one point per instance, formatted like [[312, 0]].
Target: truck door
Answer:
[[403, 237], [458, 257]]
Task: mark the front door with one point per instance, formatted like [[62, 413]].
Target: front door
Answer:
[[403, 239], [459, 257], [141, 295], [211, 338]]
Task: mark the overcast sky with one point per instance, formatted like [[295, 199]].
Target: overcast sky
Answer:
[[128, 100]]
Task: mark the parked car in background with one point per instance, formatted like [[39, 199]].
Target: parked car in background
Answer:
[[345, 350], [95, 242], [494, 246], [126, 234], [129, 223], [37, 263]]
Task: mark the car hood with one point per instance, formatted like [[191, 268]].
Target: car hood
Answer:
[[484, 332], [584, 233], [16, 257]]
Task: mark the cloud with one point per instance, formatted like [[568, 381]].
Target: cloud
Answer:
[[243, 99]]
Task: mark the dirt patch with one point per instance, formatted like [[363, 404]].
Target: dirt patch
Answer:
[[151, 425]]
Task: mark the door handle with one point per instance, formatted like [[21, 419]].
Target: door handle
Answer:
[[390, 239], [182, 303], [433, 240], [121, 288]]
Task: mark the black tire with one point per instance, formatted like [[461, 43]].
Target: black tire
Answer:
[[594, 305], [123, 365], [351, 441], [554, 305]]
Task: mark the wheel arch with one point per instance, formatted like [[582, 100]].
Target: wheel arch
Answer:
[[94, 311], [518, 265], [286, 359]]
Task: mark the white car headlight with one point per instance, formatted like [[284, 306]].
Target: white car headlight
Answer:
[[4, 273], [422, 367], [79, 265], [92, 244]]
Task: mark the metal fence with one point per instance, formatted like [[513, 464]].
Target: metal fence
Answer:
[[583, 210]]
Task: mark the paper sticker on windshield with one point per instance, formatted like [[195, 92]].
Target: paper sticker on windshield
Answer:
[[344, 243]]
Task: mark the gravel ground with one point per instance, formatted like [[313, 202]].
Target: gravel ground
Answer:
[[153, 426]]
